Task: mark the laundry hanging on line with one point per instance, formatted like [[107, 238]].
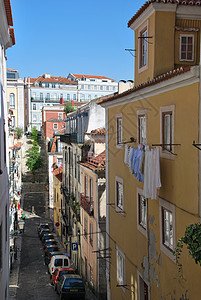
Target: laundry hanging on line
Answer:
[[145, 165]]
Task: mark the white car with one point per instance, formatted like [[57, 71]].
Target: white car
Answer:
[[58, 261]]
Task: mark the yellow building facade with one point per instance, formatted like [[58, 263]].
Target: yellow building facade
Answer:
[[161, 112]]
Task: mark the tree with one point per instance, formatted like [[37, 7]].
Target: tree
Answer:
[[34, 134], [68, 107], [19, 132], [34, 160]]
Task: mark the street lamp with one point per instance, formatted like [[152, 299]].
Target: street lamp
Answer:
[[21, 225]]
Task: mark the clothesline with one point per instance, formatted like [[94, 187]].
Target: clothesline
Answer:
[[144, 163]]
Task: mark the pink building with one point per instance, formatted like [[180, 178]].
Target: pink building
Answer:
[[52, 120]]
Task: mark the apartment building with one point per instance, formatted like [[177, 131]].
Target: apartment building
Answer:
[[159, 117], [15, 97], [7, 39]]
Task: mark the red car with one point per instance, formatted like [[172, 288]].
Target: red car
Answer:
[[58, 273]]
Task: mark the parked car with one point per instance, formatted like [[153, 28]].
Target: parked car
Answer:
[[49, 255], [42, 227], [71, 285], [53, 248], [61, 261], [60, 272], [47, 236], [42, 232], [49, 243]]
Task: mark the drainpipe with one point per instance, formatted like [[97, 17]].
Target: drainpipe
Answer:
[[107, 206], [199, 130]]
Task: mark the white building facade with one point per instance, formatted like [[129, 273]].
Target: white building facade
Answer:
[[7, 39], [48, 90]]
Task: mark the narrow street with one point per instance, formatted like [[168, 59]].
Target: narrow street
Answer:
[[29, 278]]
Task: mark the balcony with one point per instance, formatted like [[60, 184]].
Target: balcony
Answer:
[[86, 204]]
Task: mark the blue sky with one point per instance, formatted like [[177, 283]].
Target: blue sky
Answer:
[[81, 37]]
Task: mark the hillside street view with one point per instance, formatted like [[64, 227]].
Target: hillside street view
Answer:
[[100, 178]]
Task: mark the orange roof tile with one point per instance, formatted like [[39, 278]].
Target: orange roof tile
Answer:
[[8, 12], [95, 163], [99, 131], [54, 147], [154, 81], [53, 79], [147, 3], [58, 173], [12, 35], [91, 76]]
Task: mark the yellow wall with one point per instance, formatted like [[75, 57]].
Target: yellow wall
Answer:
[[180, 184], [57, 203]]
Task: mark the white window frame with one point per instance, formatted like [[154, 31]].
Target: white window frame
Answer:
[[118, 142], [54, 126], [140, 227], [60, 116], [140, 276], [119, 208], [12, 100], [141, 113], [121, 274], [143, 28], [163, 204], [193, 39], [166, 109]]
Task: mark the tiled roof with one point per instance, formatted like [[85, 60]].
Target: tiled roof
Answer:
[[13, 70], [95, 163], [54, 120], [147, 3], [91, 76], [154, 81], [58, 173], [12, 35], [99, 131], [53, 146], [60, 131], [53, 79], [8, 12]]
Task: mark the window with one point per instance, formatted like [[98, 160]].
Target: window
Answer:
[[186, 47], [120, 266], [101, 87], [119, 193], [41, 96], [95, 87], [68, 97], [143, 288], [13, 121], [143, 47], [85, 227], [12, 100], [119, 130], [82, 86], [53, 85], [91, 274], [91, 234], [141, 212], [107, 88], [89, 87], [74, 96], [55, 126], [167, 130], [48, 96], [91, 192], [34, 106], [167, 227], [85, 185], [141, 125], [59, 161], [60, 116], [46, 84], [89, 97]]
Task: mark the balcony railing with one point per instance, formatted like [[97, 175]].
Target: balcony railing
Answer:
[[86, 204]]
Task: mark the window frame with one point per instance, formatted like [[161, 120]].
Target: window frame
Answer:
[[141, 113], [139, 279], [60, 116], [54, 126], [12, 100], [141, 30], [140, 227], [165, 205], [119, 180], [193, 47], [165, 110], [118, 141], [120, 253]]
